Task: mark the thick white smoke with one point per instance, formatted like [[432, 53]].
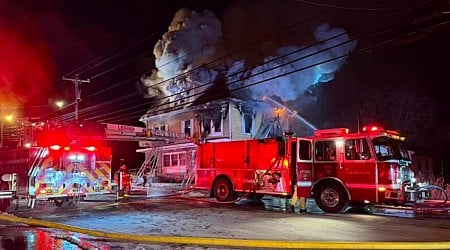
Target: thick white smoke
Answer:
[[263, 79], [190, 41]]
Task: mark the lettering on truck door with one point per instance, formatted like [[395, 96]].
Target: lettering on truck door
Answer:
[[357, 170]]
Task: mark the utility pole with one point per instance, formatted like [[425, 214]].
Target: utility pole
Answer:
[[77, 82]]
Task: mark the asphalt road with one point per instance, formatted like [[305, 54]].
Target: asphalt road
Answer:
[[194, 215]]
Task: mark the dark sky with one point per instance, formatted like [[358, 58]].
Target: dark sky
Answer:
[[111, 43]]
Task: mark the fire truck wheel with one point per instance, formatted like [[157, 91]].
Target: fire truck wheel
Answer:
[[331, 197], [4, 204], [223, 190], [58, 202]]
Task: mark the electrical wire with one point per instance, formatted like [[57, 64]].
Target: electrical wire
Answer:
[[259, 73], [262, 72], [343, 7], [183, 104], [290, 26], [101, 60]]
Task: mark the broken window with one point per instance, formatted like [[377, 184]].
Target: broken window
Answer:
[[247, 124]]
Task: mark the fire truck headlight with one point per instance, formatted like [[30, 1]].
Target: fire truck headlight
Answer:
[[397, 181], [413, 180]]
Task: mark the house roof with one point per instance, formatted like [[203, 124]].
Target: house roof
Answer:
[[215, 94]]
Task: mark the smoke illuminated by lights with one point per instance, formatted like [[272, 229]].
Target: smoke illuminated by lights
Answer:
[[191, 40], [292, 86]]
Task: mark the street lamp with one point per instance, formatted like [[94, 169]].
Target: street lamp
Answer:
[[59, 104]]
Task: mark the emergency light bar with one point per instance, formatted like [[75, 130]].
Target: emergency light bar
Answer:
[[372, 128], [331, 131], [392, 133]]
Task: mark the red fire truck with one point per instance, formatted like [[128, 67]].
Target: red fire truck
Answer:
[[333, 166], [67, 164]]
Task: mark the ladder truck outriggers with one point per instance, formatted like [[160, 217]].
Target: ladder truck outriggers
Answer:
[[64, 165], [334, 167]]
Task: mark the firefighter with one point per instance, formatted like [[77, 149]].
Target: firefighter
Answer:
[[123, 178], [145, 176]]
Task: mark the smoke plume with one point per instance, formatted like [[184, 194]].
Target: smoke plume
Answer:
[[301, 68], [191, 41]]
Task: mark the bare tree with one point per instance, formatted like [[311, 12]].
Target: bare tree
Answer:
[[406, 108]]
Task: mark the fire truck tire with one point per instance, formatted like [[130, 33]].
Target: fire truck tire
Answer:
[[223, 190], [331, 197]]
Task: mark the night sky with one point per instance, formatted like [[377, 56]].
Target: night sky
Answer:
[[112, 42]]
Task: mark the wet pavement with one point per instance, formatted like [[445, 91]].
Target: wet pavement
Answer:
[[193, 214], [17, 237]]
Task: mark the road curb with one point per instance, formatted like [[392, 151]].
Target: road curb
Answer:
[[227, 242]]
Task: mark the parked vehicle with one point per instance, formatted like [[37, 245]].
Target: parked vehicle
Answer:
[[66, 164], [333, 166]]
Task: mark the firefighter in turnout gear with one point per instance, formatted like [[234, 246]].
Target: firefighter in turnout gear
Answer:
[[123, 180]]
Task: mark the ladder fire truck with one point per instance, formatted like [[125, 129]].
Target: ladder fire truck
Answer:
[[333, 166], [64, 164]]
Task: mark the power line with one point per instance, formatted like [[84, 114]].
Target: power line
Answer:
[[101, 60], [367, 36], [266, 62], [318, 14], [188, 72], [343, 7]]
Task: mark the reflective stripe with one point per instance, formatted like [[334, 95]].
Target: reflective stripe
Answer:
[[5, 194], [304, 184]]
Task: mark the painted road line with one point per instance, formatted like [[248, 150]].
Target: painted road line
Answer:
[[227, 242]]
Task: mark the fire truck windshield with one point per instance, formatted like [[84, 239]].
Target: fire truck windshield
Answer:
[[387, 148]]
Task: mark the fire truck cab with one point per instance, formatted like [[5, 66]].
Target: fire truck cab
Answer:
[[336, 167]]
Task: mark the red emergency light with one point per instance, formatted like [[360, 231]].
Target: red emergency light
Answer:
[[331, 132], [372, 128]]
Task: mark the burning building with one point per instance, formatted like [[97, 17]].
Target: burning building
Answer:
[[198, 95]]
